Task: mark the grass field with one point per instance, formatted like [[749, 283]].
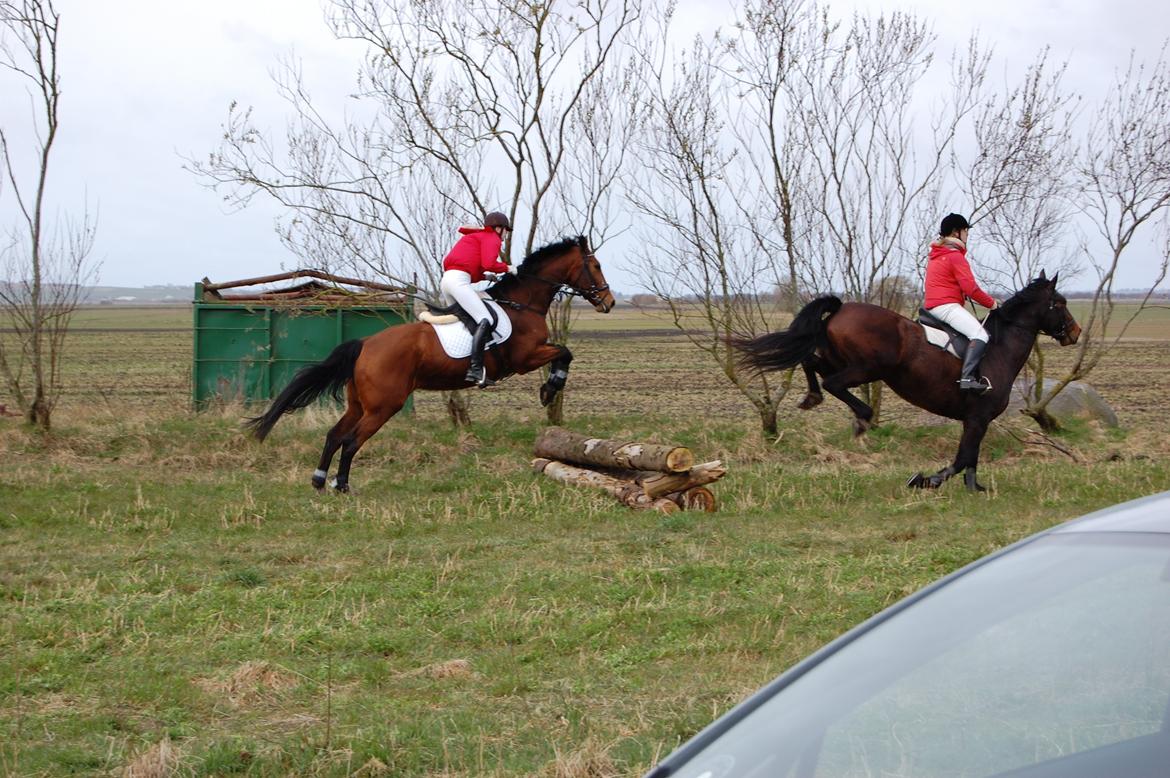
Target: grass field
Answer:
[[175, 599]]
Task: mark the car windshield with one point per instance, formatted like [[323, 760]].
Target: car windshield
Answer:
[[1052, 660]]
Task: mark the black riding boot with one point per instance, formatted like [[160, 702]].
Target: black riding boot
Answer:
[[968, 380], [476, 373]]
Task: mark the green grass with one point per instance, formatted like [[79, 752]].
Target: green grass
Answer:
[[139, 579], [165, 581]]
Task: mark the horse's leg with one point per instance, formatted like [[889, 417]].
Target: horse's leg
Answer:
[[814, 397], [966, 459], [558, 373], [370, 422], [344, 426], [838, 385]]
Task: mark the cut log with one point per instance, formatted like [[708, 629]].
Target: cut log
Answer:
[[660, 484], [627, 492], [697, 498], [559, 444]]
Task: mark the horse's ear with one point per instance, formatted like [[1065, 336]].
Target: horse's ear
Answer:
[[1054, 277], [1043, 276]]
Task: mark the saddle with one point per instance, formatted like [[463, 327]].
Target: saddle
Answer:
[[940, 334], [453, 313]]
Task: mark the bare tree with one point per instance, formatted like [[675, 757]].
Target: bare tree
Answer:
[[44, 266], [468, 108], [1020, 190], [1124, 179], [790, 156], [699, 257]]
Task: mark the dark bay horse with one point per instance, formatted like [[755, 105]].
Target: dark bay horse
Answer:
[[381, 371], [850, 344]]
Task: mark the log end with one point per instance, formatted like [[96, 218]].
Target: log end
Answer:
[[699, 498], [680, 460], [665, 506]]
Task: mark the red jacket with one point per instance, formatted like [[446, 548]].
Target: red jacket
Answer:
[[949, 278], [478, 250]]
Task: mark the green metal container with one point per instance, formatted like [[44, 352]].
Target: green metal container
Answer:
[[249, 351]]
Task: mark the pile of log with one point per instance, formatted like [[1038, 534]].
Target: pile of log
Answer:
[[640, 475]]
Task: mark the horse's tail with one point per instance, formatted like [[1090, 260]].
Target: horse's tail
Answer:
[[788, 348], [330, 375]]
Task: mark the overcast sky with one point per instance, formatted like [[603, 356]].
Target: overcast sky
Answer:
[[146, 82]]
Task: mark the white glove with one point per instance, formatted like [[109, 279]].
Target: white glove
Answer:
[[514, 269]]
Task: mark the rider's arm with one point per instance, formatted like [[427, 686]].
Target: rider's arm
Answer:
[[967, 283], [489, 247]]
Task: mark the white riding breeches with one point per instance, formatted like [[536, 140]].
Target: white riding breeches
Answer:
[[456, 288], [961, 319]]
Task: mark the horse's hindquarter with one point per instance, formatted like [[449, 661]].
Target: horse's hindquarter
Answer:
[[895, 350], [390, 359]]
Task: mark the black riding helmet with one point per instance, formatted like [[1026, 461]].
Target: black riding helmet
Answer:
[[497, 219], [952, 223]]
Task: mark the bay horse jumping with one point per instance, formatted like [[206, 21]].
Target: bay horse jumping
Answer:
[[850, 344], [379, 372]]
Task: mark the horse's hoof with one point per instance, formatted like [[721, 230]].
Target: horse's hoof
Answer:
[[861, 426], [972, 484], [547, 395], [916, 481], [340, 488], [318, 483], [811, 400]]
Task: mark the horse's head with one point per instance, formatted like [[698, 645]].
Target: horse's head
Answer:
[[1057, 320], [571, 263], [1039, 302]]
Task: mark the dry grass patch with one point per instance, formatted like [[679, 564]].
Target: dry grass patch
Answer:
[[159, 761], [452, 668], [590, 760], [251, 682], [371, 769]]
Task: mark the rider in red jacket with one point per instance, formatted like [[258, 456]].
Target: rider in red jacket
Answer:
[[949, 284], [477, 252]]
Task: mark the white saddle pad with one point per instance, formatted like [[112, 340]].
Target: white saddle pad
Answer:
[[456, 339], [937, 338]]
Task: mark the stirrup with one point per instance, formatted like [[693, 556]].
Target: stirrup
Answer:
[[479, 378], [981, 385]]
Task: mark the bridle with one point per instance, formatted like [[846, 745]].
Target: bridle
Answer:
[[1062, 333], [1059, 334], [591, 292]]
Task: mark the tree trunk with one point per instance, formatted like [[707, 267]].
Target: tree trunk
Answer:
[[627, 492], [555, 410], [559, 443], [768, 424], [1040, 413], [458, 408]]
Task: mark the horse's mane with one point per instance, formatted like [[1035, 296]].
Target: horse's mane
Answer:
[[533, 261], [1010, 308]]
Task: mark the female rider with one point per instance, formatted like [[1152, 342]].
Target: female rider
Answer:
[[476, 252], [949, 284]]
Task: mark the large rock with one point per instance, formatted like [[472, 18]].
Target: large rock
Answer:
[[1078, 400]]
